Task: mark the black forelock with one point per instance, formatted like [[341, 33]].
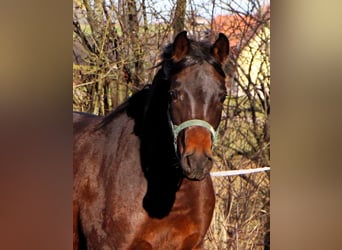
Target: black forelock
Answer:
[[199, 52]]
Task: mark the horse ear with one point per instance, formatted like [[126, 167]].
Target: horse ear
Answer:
[[180, 47], [220, 49]]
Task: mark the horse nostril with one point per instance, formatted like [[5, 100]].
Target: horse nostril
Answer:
[[188, 154], [188, 158], [208, 156]]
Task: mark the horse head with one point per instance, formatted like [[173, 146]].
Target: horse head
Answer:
[[196, 95]]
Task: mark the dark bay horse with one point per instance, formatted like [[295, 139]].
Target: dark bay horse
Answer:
[[141, 174]]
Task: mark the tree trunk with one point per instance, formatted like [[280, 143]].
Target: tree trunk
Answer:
[[136, 63], [179, 18]]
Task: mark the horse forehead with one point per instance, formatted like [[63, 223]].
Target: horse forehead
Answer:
[[196, 75]]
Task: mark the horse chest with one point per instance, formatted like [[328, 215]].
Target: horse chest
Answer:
[[185, 226]]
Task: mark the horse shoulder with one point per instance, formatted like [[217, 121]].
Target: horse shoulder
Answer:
[[107, 175]]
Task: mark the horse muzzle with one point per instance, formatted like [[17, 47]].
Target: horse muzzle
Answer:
[[196, 153], [196, 166]]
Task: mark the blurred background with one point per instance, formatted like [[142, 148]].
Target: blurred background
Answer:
[[36, 69]]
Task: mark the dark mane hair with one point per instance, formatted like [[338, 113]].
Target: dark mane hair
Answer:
[[199, 52]]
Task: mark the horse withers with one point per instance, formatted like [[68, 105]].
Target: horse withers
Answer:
[[141, 174]]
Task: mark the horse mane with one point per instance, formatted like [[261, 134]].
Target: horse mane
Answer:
[[199, 52], [147, 108]]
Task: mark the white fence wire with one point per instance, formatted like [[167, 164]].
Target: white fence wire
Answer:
[[239, 171]]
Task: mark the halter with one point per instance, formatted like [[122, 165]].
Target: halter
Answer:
[[176, 129]]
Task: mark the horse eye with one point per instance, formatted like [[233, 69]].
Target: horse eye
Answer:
[[173, 94]]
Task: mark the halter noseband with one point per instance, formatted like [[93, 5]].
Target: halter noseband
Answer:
[[176, 129]]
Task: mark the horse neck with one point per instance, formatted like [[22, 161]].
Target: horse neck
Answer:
[[158, 158], [157, 149]]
